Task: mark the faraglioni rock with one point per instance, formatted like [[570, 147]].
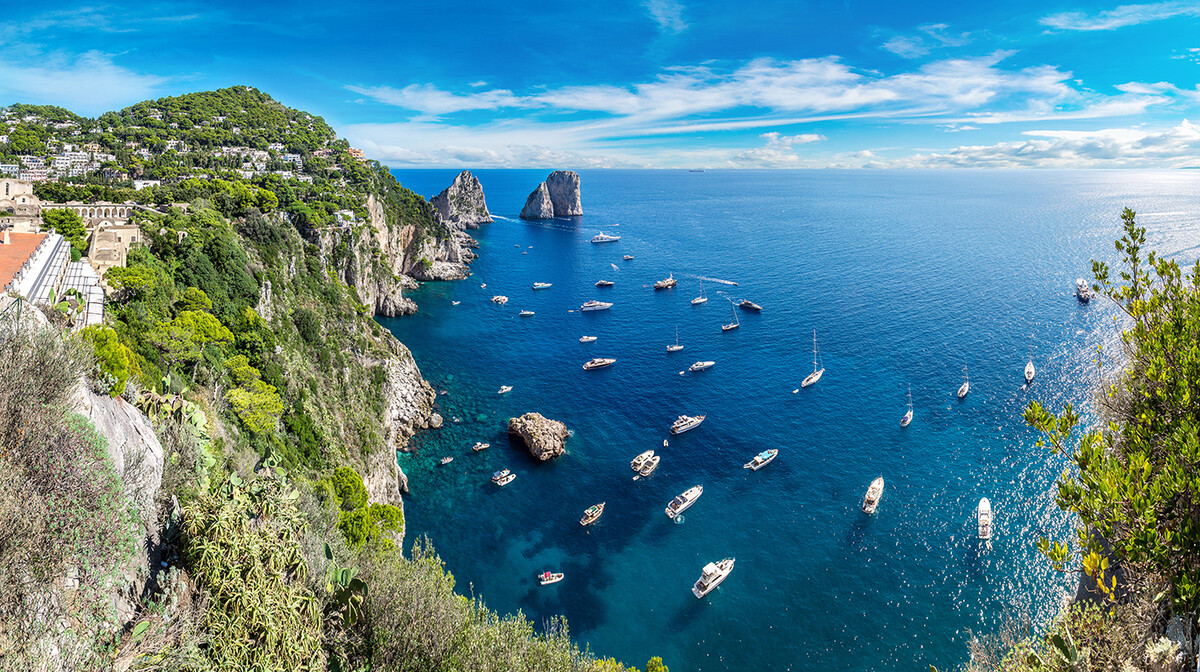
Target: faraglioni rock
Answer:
[[564, 193], [462, 205], [538, 205], [545, 438]]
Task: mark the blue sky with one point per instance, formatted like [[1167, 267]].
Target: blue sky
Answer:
[[657, 83]]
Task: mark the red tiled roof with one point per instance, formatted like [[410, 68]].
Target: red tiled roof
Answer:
[[16, 253]]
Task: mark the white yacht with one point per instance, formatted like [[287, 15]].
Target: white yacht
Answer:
[[686, 422], [546, 578], [702, 298], [586, 339], [446, 460], [526, 313], [684, 501], [506, 480], [1082, 291], [504, 389], [733, 325], [874, 494], [677, 347], [455, 303], [1029, 371], [595, 305], [966, 386], [542, 285], [604, 283], [604, 238], [817, 372], [762, 459], [908, 416], [497, 475], [592, 514], [649, 466], [500, 299], [984, 514], [628, 257], [638, 461], [700, 366], [479, 445], [711, 576], [597, 363], [668, 282], [747, 304]]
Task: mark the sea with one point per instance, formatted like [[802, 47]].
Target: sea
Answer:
[[910, 279]]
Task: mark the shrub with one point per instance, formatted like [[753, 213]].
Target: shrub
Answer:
[[349, 488], [114, 360], [308, 325]]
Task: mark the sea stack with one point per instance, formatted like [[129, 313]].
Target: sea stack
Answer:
[[558, 196], [462, 204], [544, 438]]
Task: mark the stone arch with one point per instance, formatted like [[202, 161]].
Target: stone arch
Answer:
[[91, 212]]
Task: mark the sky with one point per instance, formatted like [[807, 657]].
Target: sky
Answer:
[[657, 83]]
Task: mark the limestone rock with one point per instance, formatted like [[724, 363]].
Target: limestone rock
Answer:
[[538, 205], [545, 438], [563, 186], [462, 204]]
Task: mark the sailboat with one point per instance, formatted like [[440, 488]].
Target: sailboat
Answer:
[[966, 386], [677, 347], [1029, 370], [702, 298], [907, 416], [817, 372], [735, 324]]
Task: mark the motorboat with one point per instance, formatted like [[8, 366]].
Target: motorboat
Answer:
[[1082, 291], [649, 466], [817, 372], [592, 514], [684, 501], [700, 366], [446, 460], [702, 298], [526, 313], [732, 325], [711, 576], [686, 422], [677, 347], [595, 305], [597, 363], [497, 475], [483, 285], [1029, 372], [586, 339], [479, 445], [628, 257], [638, 461], [542, 285], [984, 514], [762, 459], [668, 282], [604, 238], [604, 283], [909, 415], [504, 389], [500, 299], [455, 303], [546, 578], [874, 494], [506, 480], [966, 386], [747, 304]]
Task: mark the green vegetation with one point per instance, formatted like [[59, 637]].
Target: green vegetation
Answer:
[[69, 225]]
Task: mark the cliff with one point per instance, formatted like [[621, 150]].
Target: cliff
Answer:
[[538, 205], [545, 439], [558, 196], [462, 204]]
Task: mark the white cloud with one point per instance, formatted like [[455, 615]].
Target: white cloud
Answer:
[[668, 14], [775, 139], [89, 83], [906, 46], [477, 84], [1119, 17], [430, 100]]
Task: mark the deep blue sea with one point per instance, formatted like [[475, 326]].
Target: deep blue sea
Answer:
[[906, 276]]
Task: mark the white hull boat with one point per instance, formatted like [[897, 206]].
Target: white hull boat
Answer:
[[984, 515], [542, 285], [966, 386], [592, 514], [504, 389], [500, 299], [677, 347], [711, 576], [649, 466], [595, 305], [547, 578], [700, 366], [604, 238], [732, 325], [668, 282], [686, 423], [604, 283], [1082, 291], [762, 459], [497, 476], [597, 363], [702, 298], [526, 313], [909, 415], [506, 480], [479, 445], [586, 339], [638, 461], [1029, 372], [817, 372], [874, 494], [684, 501]]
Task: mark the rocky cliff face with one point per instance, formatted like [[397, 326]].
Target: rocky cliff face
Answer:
[[462, 204], [538, 205], [545, 438], [558, 196]]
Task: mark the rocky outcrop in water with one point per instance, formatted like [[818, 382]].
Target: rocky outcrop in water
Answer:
[[558, 196], [538, 205], [544, 438], [462, 204]]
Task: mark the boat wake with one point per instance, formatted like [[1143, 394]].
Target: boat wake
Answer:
[[723, 282]]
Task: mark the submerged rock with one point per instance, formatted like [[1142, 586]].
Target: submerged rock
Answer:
[[538, 205], [564, 193], [462, 204], [545, 438]]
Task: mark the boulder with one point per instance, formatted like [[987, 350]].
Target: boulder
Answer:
[[462, 205], [538, 205], [563, 186], [544, 438]]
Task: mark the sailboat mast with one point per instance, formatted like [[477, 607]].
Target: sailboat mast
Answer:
[[814, 350]]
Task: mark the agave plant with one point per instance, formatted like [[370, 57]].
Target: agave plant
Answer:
[[349, 591]]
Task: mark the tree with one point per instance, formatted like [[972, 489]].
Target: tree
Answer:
[[256, 403], [69, 224], [194, 298], [175, 343], [114, 359], [349, 488], [1138, 486], [655, 664]]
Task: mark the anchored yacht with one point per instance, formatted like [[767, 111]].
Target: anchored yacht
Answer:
[[686, 422], [984, 514], [542, 285], [592, 514], [586, 339], [597, 363], [711, 576], [604, 283], [640, 460], [546, 578], [874, 494], [1082, 291], [684, 501], [700, 366], [817, 372], [966, 386], [762, 459], [604, 238], [747, 304], [668, 282], [595, 305]]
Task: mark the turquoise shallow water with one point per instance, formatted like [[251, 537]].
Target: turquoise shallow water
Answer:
[[906, 276]]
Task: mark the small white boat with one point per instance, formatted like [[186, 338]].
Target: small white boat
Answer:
[[874, 494], [1029, 372], [542, 285], [506, 480], [497, 475], [628, 257], [684, 501], [732, 325], [702, 298], [747, 304], [966, 386], [638, 461], [604, 283], [817, 372], [700, 366], [483, 285], [455, 303], [649, 466], [984, 515], [668, 282], [604, 238], [686, 423], [909, 415], [711, 576], [526, 313], [595, 305], [505, 389], [592, 514], [546, 578], [762, 459], [446, 460], [1082, 291], [500, 299], [586, 339], [597, 363], [677, 347], [479, 445]]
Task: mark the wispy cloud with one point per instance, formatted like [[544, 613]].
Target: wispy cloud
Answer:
[[89, 83], [668, 14], [1119, 17], [906, 46], [931, 36]]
